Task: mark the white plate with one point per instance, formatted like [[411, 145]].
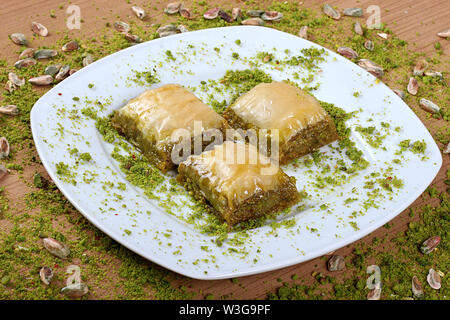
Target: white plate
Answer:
[[161, 237]]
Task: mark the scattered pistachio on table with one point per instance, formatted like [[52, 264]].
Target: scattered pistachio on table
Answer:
[[56, 248], [10, 110], [4, 148], [139, 12], [331, 12], [76, 290], [39, 29], [211, 14], [18, 38], [434, 279], [46, 275]]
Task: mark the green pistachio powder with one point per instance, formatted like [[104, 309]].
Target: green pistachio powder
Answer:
[[48, 213]]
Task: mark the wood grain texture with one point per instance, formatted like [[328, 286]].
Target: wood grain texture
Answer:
[[412, 20]]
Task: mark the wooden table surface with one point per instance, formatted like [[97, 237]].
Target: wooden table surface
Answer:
[[412, 20]]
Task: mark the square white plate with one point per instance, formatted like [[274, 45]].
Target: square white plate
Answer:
[[324, 223]]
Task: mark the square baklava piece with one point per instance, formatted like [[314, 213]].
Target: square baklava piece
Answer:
[[238, 182], [303, 125], [156, 120]]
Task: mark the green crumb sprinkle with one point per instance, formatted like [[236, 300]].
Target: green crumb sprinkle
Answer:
[[371, 135], [170, 55], [145, 77], [415, 147], [86, 156], [235, 55], [419, 147]]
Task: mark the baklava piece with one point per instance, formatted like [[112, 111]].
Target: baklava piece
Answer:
[[238, 182], [159, 119], [302, 123]]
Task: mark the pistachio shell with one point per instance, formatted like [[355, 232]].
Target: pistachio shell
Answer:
[[353, 12], [416, 287], [211, 14], [374, 294], [255, 13], [167, 28], [52, 69], [45, 54], [253, 22], [27, 53], [272, 16], [70, 46], [18, 38], [24, 63], [46, 275], [39, 29], [400, 93], [88, 60], [371, 67], [3, 172], [368, 44], [139, 12], [14, 78], [132, 38], [121, 26], [447, 149], [236, 13], [76, 290], [167, 33], [429, 106], [10, 110], [434, 74], [62, 73], [430, 244], [413, 86], [56, 248], [434, 279], [10, 87], [225, 16], [336, 263], [347, 52], [303, 32], [185, 12], [72, 71], [331, 12], [4, 148], [420, 67], [182, 28], [172, 8], [444, 33], [43, 80], [358, 29]]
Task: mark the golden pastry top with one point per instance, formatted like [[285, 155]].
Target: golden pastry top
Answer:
[[279, 105], [236, 170], [159, 112]]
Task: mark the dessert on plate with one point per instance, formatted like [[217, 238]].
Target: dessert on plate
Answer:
[[160, 118], [302, 124], [238, 182]]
